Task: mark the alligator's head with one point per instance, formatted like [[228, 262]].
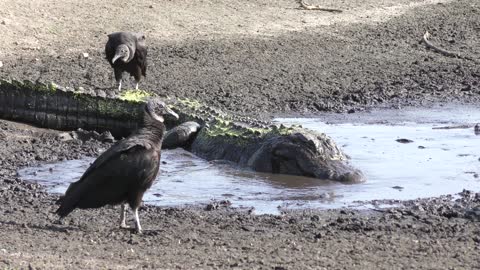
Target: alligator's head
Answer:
[[308, 154]]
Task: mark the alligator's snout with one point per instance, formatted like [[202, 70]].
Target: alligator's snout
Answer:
[[339, 171], [305, 154]]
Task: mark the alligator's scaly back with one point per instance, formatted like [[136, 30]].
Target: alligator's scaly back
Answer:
[[264, 147], [251, 143], [56, 107]]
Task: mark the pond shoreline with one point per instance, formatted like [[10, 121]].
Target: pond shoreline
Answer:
[[220, 237], [250, 58]]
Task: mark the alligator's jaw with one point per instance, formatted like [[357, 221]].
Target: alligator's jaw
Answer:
[[340, 171]]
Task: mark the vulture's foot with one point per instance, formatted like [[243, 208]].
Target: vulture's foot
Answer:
[[124, 226], [123, 214], [119, 85]]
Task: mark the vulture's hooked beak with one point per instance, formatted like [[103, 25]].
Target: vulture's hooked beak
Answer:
[[171, 112], [158, 110], [122, 52], [115, 58]]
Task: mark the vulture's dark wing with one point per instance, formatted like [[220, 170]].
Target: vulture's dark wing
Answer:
[[109, 50], [124, 166], [141, 57]]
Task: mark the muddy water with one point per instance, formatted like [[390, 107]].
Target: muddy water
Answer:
[[437, 161]]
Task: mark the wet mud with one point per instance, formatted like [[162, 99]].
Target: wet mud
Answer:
[[329, 68], [439, 233]]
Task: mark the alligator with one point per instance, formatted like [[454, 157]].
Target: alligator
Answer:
[[205, 131]]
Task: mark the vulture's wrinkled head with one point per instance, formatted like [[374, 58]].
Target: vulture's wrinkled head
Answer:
[[157, 109], [122, 52]]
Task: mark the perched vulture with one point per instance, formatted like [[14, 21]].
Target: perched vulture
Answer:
[[125, 171], [126, 51]]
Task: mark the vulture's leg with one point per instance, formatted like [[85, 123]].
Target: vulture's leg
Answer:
[[118, 77], [137, 75], [137, 221], [123, 214]]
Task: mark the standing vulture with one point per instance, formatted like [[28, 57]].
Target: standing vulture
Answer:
[[126, 51], [124, 172]]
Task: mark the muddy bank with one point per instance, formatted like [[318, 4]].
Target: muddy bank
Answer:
[[347, 65], [290, 61], [439, 233]]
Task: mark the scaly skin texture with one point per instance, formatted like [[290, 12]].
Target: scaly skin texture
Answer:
[[264, 147], [56, 107], [258, 145]]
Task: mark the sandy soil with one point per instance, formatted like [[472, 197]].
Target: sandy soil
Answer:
[[251, 57]]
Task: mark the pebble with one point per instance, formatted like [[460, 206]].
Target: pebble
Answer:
[[1, 64], [85, 55], [404, 140], [65, 136]]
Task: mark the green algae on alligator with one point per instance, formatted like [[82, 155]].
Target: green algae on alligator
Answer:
[[264, 147], [63, 108], [250, 143]]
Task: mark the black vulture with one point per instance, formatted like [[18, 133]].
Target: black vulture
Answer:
[[126, 51], [125, 171]]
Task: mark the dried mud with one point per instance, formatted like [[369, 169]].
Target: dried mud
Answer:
[[333, 63]]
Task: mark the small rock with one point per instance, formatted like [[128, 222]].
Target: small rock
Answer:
[[151, 6], [65, 136], [473, 214], [421, 147], [211, 207], [4, 22], [1, 64], [248, 228], [399, 188], [101, 93], [85, 55], [403, 140], [476, 129], [106, 137]]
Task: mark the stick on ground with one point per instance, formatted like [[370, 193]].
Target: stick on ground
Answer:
[[426, 36], [306, 6]]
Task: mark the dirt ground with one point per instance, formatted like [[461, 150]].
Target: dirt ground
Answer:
[[248, 57], [255, 56]]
